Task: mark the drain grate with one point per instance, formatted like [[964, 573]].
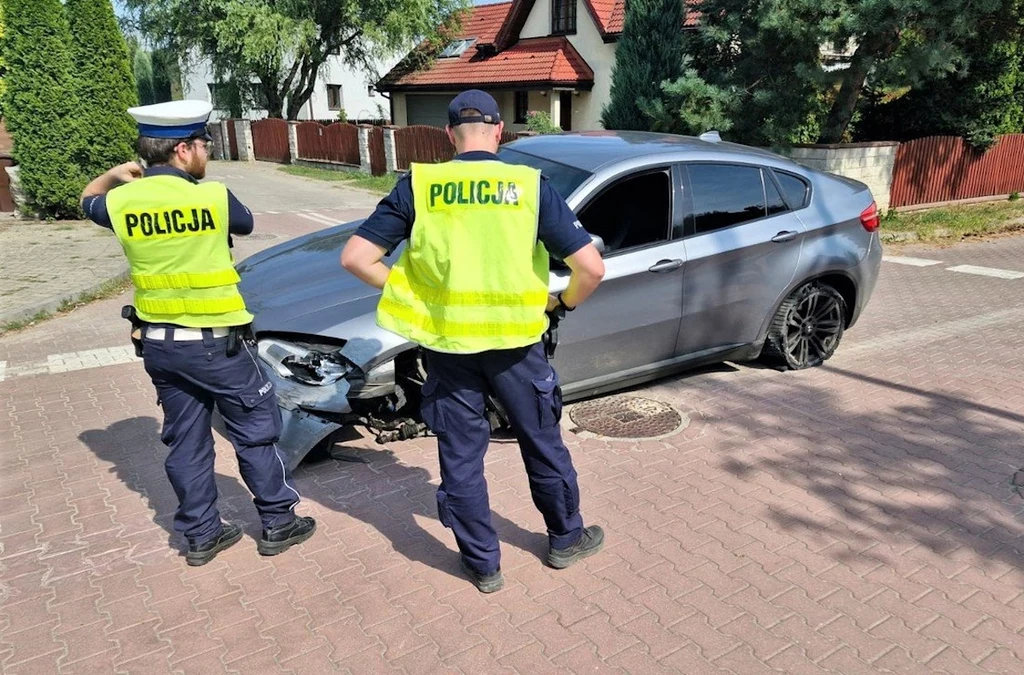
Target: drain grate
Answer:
[[627, 417]]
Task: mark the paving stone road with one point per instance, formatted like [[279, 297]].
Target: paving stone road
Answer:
[[854, 518]]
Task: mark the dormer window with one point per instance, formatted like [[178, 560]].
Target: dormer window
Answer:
[[456, 48], [563, 17]]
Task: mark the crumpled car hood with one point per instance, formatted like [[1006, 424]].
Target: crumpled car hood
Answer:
[[300, 287]]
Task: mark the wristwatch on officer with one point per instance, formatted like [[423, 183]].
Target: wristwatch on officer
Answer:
[[561, 303]]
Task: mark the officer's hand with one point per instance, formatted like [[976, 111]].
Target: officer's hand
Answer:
[[127, 172], [552, 303]]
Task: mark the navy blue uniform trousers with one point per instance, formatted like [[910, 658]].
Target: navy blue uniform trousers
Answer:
[[190, 378], [454, 398]]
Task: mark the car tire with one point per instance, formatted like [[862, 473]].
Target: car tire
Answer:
[[807, 327]]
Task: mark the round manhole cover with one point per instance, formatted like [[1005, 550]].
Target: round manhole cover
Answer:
[[261, 236], [628, 417]]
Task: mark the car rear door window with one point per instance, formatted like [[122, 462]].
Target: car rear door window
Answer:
[[797, 191], [724, 195], [773, 198]]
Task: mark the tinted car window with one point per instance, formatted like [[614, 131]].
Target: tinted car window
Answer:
[[565, 179], [635, 211], [796, 190], [725, 195], [776, 204]]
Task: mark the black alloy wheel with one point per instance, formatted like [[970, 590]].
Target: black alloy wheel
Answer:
[[807, 327]]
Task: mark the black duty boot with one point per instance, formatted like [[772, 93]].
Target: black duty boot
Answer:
[[589, 543], [485, 583], [280, 539], [203, 553]]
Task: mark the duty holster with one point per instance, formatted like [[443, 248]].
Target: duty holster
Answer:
[[128, 312], [550, 337], [237, 335]]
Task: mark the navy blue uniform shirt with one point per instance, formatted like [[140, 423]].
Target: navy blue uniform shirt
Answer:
[[391, 223], [239, 217]]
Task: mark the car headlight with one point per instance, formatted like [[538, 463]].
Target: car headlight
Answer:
[[383, 374], [306, 364]]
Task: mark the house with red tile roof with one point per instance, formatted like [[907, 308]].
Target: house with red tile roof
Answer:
[[550, 55]]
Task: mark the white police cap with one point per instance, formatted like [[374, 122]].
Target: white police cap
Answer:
[[174, 119]]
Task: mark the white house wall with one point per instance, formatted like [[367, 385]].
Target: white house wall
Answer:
[[357, 101], [586, 112]]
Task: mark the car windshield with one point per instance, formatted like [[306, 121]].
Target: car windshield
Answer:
[[565, 179]]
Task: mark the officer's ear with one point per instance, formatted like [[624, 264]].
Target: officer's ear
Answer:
[[451, 133]]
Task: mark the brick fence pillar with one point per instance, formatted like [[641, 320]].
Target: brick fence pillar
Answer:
[[293, 140], [243, 134], [390, 150], [364, 149], [225, 142]]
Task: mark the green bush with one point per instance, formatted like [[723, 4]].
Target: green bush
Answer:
[[41, 105], [105, 85], [540, 122]]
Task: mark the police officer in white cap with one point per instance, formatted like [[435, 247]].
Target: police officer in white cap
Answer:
[[196, 336]]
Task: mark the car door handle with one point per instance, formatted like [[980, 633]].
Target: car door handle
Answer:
[[665, 266], [785, 235]]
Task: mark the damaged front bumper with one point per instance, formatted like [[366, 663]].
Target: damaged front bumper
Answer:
[[309, 412], [316, 388]]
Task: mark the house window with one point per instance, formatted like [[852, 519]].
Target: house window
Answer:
[[334, 100], [563, 17], [456, 48], [218, 96], [522, 106]]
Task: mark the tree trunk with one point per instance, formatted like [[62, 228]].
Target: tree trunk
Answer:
[[854, 77]]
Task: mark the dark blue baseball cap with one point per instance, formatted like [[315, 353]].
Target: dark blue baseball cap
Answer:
[[473, 99]]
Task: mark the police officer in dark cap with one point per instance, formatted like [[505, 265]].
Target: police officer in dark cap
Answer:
[[471, 288], [194, 328]]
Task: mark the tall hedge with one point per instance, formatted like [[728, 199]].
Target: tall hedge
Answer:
[[40, 105], [105, 85]]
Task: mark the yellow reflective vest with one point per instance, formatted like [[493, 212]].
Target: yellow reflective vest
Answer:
[[473, 277], [175, 236]]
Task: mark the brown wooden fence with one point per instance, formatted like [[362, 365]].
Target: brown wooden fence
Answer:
[[232, 141], [270, 140], [946, 168], [6, 201], [420, 143], [337, 142], [378, 160]]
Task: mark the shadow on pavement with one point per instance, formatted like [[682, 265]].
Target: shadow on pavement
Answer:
[[134, 448]]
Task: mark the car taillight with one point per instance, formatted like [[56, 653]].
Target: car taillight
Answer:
[[870, 219]]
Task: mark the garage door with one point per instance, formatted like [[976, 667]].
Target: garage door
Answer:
[[430, 109]]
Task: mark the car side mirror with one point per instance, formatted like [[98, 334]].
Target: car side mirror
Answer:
[[598, 243]]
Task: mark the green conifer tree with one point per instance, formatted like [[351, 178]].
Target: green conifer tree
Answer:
[[40, 105], [649, 52], [105, 86]]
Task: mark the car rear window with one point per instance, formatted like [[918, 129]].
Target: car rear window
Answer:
[[725, 195], [565, 179], [796, 190]]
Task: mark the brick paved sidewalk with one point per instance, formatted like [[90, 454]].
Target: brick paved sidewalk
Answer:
[[849, 519], [44, 264]]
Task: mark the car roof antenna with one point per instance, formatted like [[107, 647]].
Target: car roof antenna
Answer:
[[711, 136]]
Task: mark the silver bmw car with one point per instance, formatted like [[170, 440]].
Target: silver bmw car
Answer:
[[713, 252]]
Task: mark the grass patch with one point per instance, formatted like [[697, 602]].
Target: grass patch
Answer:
[[955, 222], [380, 184], [18, 324], [107, 290]]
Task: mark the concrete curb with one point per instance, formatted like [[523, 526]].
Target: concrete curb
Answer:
[[51, 304]]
